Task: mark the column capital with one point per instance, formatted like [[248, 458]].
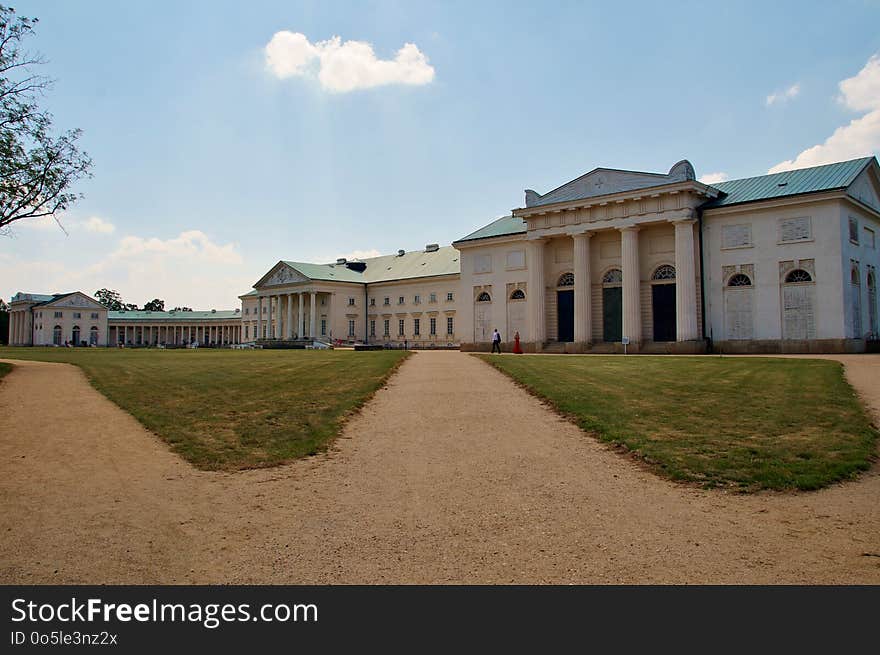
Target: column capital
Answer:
[[629, 228], [585, 234], [687, 215]]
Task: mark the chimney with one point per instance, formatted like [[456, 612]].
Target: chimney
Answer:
[[401, 253], [432, 247], [341, 260]]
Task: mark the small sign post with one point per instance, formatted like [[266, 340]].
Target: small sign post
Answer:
[[625, 342]]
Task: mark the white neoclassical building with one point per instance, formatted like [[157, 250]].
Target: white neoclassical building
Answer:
[[782, 262], [614, 259]]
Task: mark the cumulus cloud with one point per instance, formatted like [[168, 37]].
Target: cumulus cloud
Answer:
[[188, 269], [93, 224], [343, 66], [98, 225], [784, 95], [713, 178], [858, 138]]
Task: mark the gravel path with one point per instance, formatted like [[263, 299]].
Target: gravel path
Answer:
[[451, 474]]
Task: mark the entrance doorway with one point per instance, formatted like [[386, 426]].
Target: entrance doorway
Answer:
[[612, 314], [565, 315], [663, 306]]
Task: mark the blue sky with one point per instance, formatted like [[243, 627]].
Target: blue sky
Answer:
[[209, 167]]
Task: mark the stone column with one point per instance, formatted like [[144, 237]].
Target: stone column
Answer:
[[269, 323], [289, 334], [313, 297], [537, 319], [259, 318], [685, 282], [632, 310], [583, 315], [300, 330]]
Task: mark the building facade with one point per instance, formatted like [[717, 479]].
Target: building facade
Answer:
[[78, 320], [613, 260]]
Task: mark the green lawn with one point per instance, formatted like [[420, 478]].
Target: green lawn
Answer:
[[232, 409], [4, 368], [750, 423]]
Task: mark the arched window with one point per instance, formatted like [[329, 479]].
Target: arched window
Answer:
[[665, 272], [856, 290], [517, 295], [798, 275], [854, 277], [614, 276], [739, 280], [56, 335], [93, 336], [75, 335], [484, 297], [566, 280]]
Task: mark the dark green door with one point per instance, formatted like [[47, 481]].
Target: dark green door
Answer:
[[663, 305], [565, 315], [612, 313]]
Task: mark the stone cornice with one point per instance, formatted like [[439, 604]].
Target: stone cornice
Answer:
[[688, 186]]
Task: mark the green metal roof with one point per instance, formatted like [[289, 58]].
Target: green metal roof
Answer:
[[789, 183], [39, 298], [224, 315], [410, 265], [503, 226]]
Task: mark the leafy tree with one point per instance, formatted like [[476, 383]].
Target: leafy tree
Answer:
[[37, 168], [129, 307], [155, 305], [110, 299], [182, 309]]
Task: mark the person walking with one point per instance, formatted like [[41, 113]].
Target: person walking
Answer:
[[496, 341]]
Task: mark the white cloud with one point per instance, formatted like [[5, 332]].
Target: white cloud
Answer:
[[861, 136], [189, 269], [345, 66], [862, 92], [784, 95], [93, 224], [98, 225], [713, 178]]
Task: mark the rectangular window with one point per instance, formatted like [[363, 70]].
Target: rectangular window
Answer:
[[351, 302], [387, 301], [351, 328], [795, 229], [372, 302], [433, 327], [449, 297], [264, 310], [736, 236], [870, 241], [416, 323], [323, 327], [449, 330], [516, 259], [77, 315], [246, 331], [417, 300], [58, 314], [387, 327], [853, 230], [400, 300], [400, 328], [432, 297], [94, 316], [482, 263], [372, 328], [247, 310]]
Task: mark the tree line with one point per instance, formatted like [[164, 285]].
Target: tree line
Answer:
[[112, 300]]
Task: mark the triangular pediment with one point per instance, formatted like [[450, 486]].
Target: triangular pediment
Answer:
[[866, 187], [77, 300], [281, 273], [605, 181]]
